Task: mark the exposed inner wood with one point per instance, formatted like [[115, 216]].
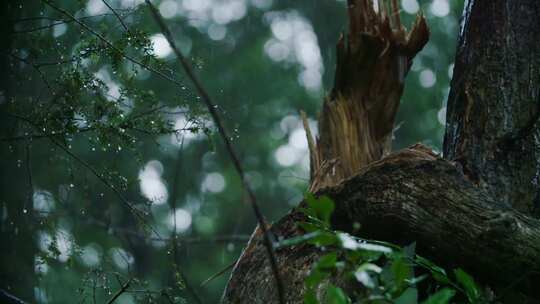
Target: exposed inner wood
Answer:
[[357, 118]]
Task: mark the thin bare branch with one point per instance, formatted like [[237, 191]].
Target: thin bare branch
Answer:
[[228, 145], [138, 214], [110, 45], [119, 292], [116, 15], [9, 298], [172, 202], [48, 26], [35, 67]]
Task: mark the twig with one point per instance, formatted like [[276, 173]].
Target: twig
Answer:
[[110, 45], [35, 67], [99, 176], [9, 298], [84, 130], [219, 273], [221, 129], [59, 21], [116, 15], [29, 208], [172, 201], [119, 292], [42, 135]]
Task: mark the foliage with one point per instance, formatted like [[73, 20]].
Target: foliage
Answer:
[[376, 272]]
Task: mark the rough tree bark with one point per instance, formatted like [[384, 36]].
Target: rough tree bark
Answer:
[[474, 207], [493, 104]]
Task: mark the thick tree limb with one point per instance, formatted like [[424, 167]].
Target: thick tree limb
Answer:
[[412, 195]]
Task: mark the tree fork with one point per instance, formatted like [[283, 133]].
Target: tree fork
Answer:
[[470, 209]]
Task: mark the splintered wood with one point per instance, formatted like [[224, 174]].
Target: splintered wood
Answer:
[[358, 116]]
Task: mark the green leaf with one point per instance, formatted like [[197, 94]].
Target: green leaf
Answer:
[[324, 239], [362, 274], [327, 261], [402, 272], [322, 206], [335, 295], [307, 211], [442, 296], [308, 227], [465, 280], [310, 297], [298, 239], [315, 278], [365, 278], [440, 278], [438, 273], [409, 296]]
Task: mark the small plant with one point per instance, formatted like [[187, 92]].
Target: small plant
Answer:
[[374, 271]]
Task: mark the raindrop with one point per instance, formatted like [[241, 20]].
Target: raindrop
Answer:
[[71, 185], [25, 211]]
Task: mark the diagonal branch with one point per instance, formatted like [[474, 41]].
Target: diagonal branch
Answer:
[[122, 289], [137, 213], [116, 15], [9, 298], [228, 145]]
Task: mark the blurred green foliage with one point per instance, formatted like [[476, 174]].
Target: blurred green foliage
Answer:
[[375, 271], [91, 141]]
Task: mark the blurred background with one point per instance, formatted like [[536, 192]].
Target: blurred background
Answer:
[[111, 173]]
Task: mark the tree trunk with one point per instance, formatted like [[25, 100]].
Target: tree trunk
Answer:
[[493, 104], [474, 208]]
